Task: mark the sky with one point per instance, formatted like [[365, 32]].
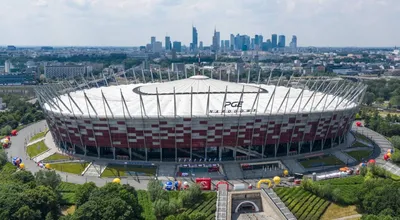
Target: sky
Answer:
[[332, 23]]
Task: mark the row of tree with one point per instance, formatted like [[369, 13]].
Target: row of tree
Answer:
[[19, 112]]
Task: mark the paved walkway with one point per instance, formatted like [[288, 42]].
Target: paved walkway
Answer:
[[383, 146], [18, 150], [350, 217], [35, 141]]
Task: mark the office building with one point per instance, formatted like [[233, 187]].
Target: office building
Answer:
[[282, 41], [232, 45], [194, 39], [167, 43], [152, 40], [201, 47], [293, 43], [216, 40], [157, 47], [177, 46], [67, 71], [274, 40], [7, 67], [227, 45]]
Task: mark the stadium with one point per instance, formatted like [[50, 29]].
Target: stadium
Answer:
[[199, 118]]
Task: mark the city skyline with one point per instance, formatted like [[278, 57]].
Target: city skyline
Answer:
[[333, 23]]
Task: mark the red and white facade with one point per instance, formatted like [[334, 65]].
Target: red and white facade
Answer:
[[201, 118]]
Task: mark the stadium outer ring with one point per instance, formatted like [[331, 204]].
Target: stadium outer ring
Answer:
[[241, 137]]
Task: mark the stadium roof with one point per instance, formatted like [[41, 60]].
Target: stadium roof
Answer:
[[192, 96]]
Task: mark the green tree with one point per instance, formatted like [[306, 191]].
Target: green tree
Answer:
[[197, 216], [395, 141], [105, 208], [47, 178], [161, 208], [3, 158], [26, 213], [369, 98], [42, 198], [83, 193], [395, 101], [156, 191], [182, 216], [6, 130], [191, 196], [23, 176]]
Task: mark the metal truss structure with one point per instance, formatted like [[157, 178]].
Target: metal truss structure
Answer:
[[256, 135]]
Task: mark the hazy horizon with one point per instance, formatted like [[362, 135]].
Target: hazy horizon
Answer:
[[123, 23]]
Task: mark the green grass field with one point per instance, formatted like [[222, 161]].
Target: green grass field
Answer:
[[359, 154], [327, 160], [302, 203], [120, 170], [56, 157], [36, 149], [359, 144], [38, 136], [361, 137], [74, 168]]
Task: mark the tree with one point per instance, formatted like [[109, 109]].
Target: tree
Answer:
[[182, 216], [191, 196], [6, 130], [395, 100], [197, 216], [3, 158], [47, 178], [83, 193], [395, 141], [156, 191], [161, 208], [42, 198], [26, 213], [369, 98], [108, 208], [23, 176]]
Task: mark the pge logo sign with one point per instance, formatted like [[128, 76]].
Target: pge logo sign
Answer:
[[234, 104]]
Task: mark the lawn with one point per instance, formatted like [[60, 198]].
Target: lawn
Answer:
[[327, 160], [36, 149], [361, 137], [56, 157], [75, 168], [302, 203], [335, 211], [38, 136], [359, 144], [129, 170], [359, 155]]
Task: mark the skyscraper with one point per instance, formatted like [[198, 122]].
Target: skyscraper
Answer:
[[153, 40], [232, 46], [7, 66], [293, 43], [167, 43], [282, 41], [274, 41], [194, 39], [157, 47], [201, 47], [177, 46], [227, 46], [216, 40]]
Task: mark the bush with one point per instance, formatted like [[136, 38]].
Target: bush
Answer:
[[197, 216]]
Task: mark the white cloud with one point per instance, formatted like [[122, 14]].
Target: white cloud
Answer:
[[132, 22]]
